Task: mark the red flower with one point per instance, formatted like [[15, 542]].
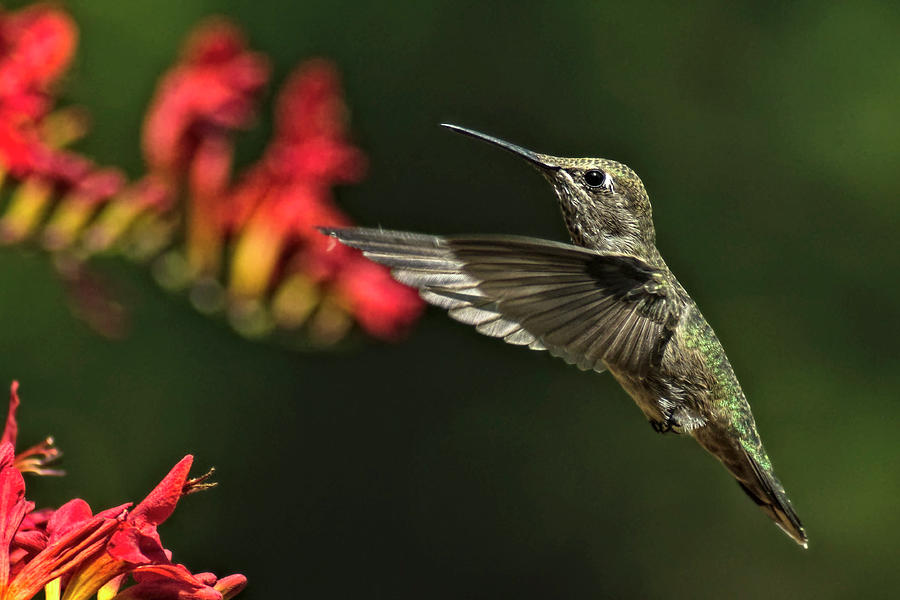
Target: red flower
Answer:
[[136, 540], [39, 41], [286, 195], [311, 129], [198, 103], [37, 44], [383, 307], [13, 507], [283, 272], [36, 458], [11, 429], [308, 155], [212, 90], [74, 553], [66, 548], [162, 582], [20, 148]]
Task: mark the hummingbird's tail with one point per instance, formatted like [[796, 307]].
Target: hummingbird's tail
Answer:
[[753, 472]]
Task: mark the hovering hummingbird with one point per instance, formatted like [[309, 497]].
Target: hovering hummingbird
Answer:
[[608, 302]]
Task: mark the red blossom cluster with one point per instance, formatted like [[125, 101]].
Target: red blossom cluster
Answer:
[[280, 273], [36, 45], [243, 243], [72, 553], [274, 210]]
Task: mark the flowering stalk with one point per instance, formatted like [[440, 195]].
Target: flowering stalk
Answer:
[[242, 244], [72, 554]]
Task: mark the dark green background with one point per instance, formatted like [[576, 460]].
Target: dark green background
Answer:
[[454, 466]]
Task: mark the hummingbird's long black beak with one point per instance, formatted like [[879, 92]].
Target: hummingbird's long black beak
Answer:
[[542, 161]]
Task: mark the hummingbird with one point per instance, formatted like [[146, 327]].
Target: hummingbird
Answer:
[[605, 302]]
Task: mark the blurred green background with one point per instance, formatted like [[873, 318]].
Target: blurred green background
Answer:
[[454, 466]]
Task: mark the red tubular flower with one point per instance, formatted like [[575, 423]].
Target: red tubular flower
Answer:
[[20, 146], [283, 272], [36, 458], [274, 208], [311, 129], [383, 307], [41, 41], [134, 540], [133, 547], [175, 582], [286, 195], [290, 186], [212, 90], [198, 103], [37, 45], [137, 541], [30, 538], [21, 579], [79, 538], [73, 554], [13, 507], [11, 429]]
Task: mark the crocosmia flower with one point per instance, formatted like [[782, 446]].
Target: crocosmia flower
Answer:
[[70, 553], [240, 244], [276, 208]]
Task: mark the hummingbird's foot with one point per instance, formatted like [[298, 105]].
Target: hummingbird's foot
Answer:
[[666, 426], [678, 421]]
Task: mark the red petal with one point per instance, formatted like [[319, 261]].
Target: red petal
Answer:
[[67, 517], [151, 573], [32, 541], [62, 556], [209, 172], [212, 90], [161, 582], [206, 578], [11, 430], [44, 44], [130, 545], [114, 512], [231, 586], [311, 103], [12, 507], [384, 307], [217, 40], [136, 540], [37, 519], [160, 503], [168, 591]]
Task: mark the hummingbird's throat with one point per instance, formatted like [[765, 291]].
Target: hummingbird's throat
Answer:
[[596, 225], [571, 207]]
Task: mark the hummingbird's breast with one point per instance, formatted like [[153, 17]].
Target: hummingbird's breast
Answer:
[[694, 384]]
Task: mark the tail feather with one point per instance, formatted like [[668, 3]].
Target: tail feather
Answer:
[[773, 500], [757, 481]]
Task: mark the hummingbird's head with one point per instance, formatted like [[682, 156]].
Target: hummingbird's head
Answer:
[[603, 202]]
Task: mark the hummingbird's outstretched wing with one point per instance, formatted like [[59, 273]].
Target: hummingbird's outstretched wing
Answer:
[[590, 308]]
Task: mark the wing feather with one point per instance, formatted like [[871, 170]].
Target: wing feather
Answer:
[[589, 308]]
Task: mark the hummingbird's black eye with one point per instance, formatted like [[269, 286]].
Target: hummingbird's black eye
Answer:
[[597, 179]]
